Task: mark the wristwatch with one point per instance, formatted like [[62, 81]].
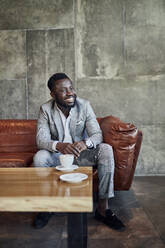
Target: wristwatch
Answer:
[[89, 143]]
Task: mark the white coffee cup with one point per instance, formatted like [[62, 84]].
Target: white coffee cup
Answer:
[[66, 160]]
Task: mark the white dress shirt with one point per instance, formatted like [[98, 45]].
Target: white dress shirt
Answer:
[[66, 126], [67, 134]]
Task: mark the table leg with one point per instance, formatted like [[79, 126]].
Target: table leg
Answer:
[[77, 230]]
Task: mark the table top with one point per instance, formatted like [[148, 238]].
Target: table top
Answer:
[[40, 189]]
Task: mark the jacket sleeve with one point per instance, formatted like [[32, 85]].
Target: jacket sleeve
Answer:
[[43, 137], [92, 127]]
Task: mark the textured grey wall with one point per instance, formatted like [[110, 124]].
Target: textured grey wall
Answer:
[[113, 49]]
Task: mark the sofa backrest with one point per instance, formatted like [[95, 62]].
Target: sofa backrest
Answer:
[[18, 135]]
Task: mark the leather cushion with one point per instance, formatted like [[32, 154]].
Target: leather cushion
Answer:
[[122, 137], [20, 159], [18, 136]]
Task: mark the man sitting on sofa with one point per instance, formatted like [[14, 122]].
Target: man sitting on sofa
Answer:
[[68, 125]]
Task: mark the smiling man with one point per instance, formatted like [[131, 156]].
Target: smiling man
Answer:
[[68, 125]]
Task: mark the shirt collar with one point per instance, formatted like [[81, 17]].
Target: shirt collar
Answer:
[[70, 112]]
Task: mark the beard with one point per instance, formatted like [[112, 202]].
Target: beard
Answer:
[[64, 105]]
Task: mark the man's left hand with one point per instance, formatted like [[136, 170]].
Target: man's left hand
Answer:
[[80, 146]]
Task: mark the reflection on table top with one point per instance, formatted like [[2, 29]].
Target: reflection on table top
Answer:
[[40, 189]]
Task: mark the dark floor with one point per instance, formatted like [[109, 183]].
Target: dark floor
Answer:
[[142, 209]]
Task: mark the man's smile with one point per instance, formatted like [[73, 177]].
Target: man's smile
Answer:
[[70, 99]]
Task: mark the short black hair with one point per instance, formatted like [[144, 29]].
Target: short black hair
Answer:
[[55, 77]]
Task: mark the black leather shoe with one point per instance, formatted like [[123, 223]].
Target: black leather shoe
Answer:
[[42, 219], [110, 219]]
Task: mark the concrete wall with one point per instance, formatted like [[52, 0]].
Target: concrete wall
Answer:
[[113, 49]]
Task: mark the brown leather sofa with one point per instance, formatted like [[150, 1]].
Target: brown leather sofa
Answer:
[[18, 145]]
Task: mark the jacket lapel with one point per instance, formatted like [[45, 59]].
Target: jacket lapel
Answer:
[[58, 123], [74, 116]]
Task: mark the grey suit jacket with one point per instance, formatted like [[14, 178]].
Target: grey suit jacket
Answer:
[[50, 127]]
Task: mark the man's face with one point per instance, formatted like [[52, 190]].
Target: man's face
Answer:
[[64, 93]]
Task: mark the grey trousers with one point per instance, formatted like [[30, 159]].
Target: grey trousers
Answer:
[[101, 157]]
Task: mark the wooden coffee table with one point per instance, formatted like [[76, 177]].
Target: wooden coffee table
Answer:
[[41, 190]]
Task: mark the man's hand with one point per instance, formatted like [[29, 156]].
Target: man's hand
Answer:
[[80, 146], [75, 149], [67, 148]]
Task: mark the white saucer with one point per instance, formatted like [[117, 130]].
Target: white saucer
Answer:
[[73, 177], [71, 168]]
